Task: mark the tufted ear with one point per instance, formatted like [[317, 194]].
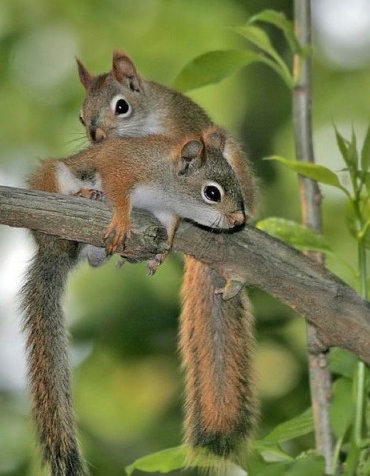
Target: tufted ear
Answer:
[[86, 77], [215, 137], [191, 157], [123, 69]]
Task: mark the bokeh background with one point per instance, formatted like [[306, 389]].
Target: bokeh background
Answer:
[[126, 371]]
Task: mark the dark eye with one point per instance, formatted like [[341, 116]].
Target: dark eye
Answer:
[[212, 192], [120, 106], [82, 121]]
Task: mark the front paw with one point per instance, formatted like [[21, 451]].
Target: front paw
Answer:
[[154, 263], [91, 194], [117, 233]]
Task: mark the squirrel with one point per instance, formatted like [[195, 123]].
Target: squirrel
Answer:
[[186, 179], [216, 335]]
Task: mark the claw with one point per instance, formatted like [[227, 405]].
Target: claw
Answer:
[[231, 288], [153, 264], [120, 229], [91, 194]]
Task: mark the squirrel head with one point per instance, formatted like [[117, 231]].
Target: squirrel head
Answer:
[[204, 173], [116, 103]]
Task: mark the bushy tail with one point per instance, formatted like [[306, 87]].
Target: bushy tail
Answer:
[[217, 346], [47, 346]]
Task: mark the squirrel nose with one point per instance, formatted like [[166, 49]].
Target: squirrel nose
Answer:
[[237, 219], [97, 135]]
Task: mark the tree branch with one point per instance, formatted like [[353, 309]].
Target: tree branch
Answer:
[[341, 316]]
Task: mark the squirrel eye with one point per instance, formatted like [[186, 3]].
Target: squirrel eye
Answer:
[[212, 192], [120, 106], [82, 120]]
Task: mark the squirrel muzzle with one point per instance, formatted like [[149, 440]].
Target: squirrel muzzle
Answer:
[[97, 135], [236, 219]]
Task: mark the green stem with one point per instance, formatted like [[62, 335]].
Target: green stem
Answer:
[[360, 403], [360, 377], [337, 449], [357, 439], [362, 268]]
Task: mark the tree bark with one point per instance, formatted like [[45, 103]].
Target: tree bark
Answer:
[[311, 200]]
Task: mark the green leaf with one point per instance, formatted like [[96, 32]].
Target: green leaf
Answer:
[[352, 151], [365, 152], [366, 180], [343, 146], [269, 469], [295, 234], [274, 455], [313, 171], [304, 466], [312, 465], [298, 426], [172, 459], [279, 20], [342, 362], [359, 228], [261, 40], [348, 149], [213, 67], [341, 408], [162, 461]]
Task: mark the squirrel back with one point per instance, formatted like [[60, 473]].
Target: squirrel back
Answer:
[[184, 178]]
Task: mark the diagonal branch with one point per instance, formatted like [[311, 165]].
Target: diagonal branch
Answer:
[[340, 315]]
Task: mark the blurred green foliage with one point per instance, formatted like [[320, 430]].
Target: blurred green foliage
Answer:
[[127, 377]]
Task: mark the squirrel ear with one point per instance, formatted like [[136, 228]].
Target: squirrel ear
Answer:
[[191, 157], [86, 78], [216, 138], [123, 69]]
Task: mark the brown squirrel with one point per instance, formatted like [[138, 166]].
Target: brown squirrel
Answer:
[[216, 335]]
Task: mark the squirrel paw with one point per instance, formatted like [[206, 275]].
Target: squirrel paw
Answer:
[[91, 194], [231, 288], [153, 264], [120, 229]]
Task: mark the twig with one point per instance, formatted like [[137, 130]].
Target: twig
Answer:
[[320, 380], [341, 316]]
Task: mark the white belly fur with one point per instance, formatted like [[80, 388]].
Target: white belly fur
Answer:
[[166, 207]]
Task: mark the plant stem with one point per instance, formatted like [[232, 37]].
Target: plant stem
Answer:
[[360, 377], [320, 380]]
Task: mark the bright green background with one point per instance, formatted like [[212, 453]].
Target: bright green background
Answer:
[[127, 378]]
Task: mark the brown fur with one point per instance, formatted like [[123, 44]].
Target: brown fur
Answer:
[[47, 345], [216, 347], [221, 408], [216, 336]]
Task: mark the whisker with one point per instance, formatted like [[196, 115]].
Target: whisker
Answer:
[[76, 144]]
